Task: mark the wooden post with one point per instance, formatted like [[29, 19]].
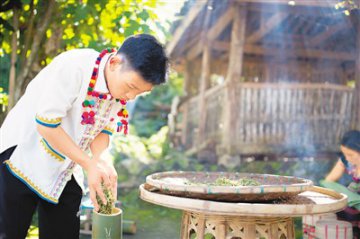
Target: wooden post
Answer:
[[185, 226], [186, 89], [267, 72], [205, 75], [233, 75], [187, 78], [194, 85], [204, 79], [201, 227]]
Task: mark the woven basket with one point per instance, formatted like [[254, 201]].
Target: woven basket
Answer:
[[200, 185]]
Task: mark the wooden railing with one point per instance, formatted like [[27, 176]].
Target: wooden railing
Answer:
[[275, 118]]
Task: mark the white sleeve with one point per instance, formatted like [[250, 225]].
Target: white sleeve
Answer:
[[61, 86], [109, 129]]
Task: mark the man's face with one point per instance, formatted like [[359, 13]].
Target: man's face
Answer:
[[123, 82]]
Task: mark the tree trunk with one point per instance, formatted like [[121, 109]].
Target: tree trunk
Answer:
[[13, 59], [38, 36]]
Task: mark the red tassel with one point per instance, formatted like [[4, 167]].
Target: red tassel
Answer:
[[126, 129], [119, 128]]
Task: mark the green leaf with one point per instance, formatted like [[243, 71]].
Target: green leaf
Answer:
[[144, 15], [81, 13], [5, 24], [127, 14]]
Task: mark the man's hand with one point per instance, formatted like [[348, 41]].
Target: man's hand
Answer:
[[97, 174], [112, 175]]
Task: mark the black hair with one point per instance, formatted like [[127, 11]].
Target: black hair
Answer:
[[351, 140], [147, 57]]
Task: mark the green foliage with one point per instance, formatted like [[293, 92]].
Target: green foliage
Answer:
[[3, 100], [152, 109], [4, 72], [348, 6], [72, 24], [136, 157], [146, 150], [109, 22], [152, 221], [298, 228], [33, 232], [3, 104], [87, 23], [206, 236]]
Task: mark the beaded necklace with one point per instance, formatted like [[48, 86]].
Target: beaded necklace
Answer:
[[88, 115]]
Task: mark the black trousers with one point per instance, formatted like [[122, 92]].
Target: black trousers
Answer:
[[18, 204]]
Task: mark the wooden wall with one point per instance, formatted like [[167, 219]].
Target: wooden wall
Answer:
[[275, 118]]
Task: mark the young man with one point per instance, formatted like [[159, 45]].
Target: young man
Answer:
[[69, 109]]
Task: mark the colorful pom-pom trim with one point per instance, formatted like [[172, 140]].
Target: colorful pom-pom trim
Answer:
[[88, 115]]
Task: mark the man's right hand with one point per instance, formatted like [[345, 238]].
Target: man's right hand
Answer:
[[97, 174]]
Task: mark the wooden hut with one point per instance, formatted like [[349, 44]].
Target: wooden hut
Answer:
[[266, 76]]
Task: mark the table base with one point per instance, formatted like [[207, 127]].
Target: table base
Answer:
[[199, 225]]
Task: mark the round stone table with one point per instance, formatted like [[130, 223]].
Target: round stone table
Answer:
[[228, 220]]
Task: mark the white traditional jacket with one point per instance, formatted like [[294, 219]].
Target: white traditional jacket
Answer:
[[54, 97]]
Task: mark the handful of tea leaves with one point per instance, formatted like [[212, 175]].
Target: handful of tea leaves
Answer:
[[106, 208], [223, 181]]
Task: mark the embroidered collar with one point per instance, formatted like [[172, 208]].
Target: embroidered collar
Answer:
[[89, 104], [101, 85]]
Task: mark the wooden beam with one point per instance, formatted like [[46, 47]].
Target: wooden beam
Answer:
[[220, 45], [307, 53], [186, 22], [285, 40], [300, 25], [299, 10], [326, 34], [191, 43], [308, 26], [317, 3], [274, 21], [213, 33], [221, 24]]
